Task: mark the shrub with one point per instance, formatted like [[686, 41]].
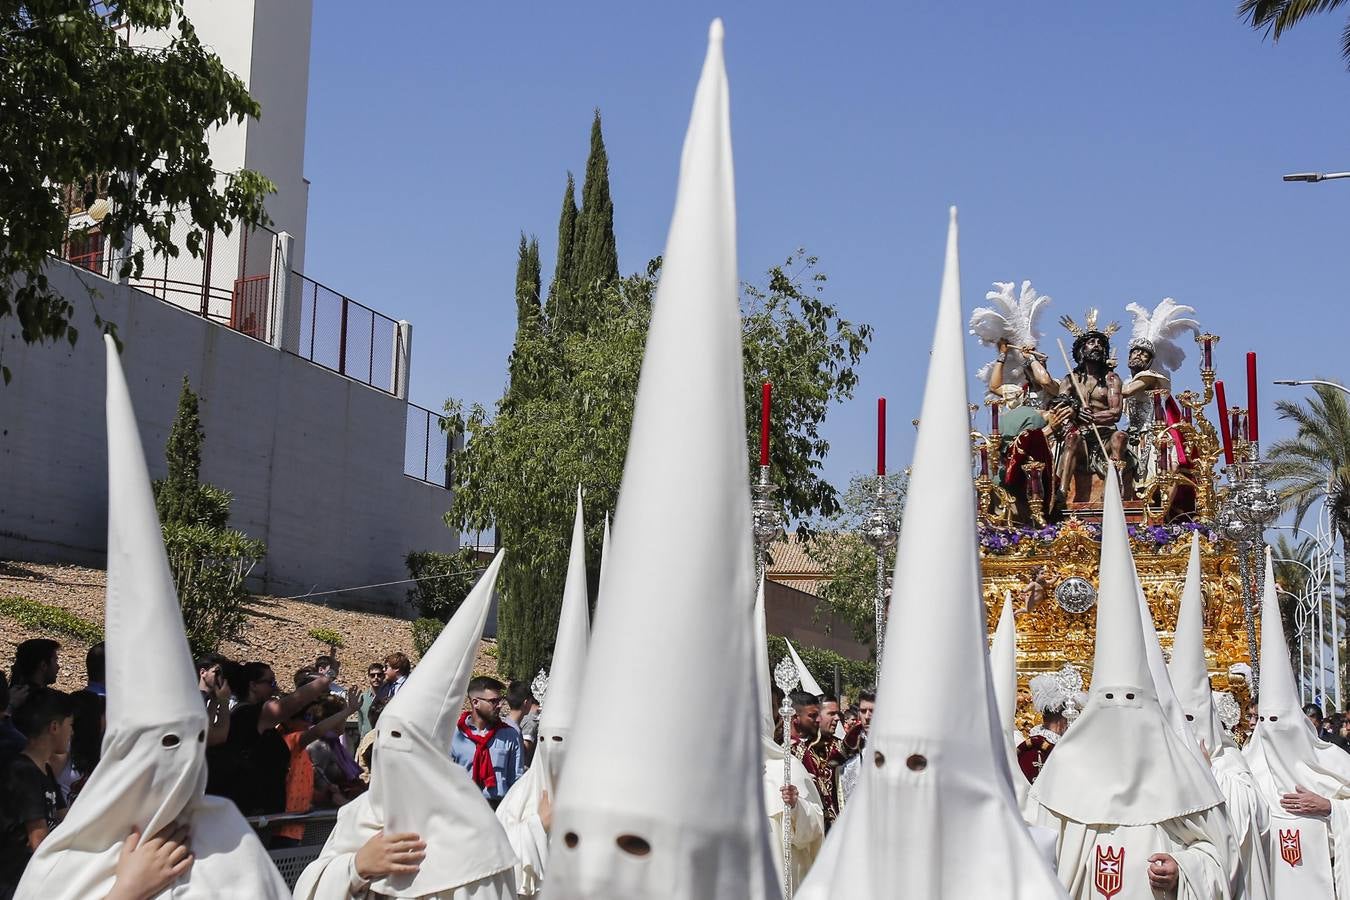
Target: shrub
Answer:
[[443, 581], [209, 567], [424, 634], [33, 614], [329, 636], [854, 675]]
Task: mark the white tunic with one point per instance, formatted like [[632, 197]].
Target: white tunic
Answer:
[[333, 875], [1110, 862]]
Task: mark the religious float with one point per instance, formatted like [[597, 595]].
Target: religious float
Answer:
[[1189, 464]]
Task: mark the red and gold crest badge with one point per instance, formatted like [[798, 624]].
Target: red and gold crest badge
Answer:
[[1110, 871], [1291, 850]]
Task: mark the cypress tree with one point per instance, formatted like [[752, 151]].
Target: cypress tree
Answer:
[[596, 255], [561, 287], [528, 285], [177, 496]]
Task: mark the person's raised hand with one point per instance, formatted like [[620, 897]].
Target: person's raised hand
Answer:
[[390, 854], [147, 867], [789, 793]]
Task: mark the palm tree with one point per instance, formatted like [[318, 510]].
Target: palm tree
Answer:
[[1275, 16], [1315, 464]]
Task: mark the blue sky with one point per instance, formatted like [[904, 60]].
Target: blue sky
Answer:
[[1107, 152]]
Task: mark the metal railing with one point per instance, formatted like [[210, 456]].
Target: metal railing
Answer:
[[346, 336], [426, 447], [233, 282], [291, 861]]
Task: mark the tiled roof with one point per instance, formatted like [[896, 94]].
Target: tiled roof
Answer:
[[790, 558]]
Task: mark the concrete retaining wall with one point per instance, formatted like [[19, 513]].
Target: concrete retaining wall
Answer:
[[314, 460]]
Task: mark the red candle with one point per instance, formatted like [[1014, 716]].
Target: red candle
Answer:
[[1186, 415], [984, 461], [764, 405], [1251, 397], [881, 435], [993, 417], [1207, 353], [1157, 406], [1224, 430]]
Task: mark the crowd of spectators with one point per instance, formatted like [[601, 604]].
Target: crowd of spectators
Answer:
[[273, 745]]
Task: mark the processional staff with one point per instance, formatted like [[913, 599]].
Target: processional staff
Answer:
[[786, 676]]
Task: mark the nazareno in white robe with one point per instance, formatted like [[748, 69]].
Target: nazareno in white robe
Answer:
[[152, 774], [1124, 782], [416, 787], [1247, 814], [1309, 855]]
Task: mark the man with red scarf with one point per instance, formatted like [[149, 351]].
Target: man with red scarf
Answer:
[[487, 748]]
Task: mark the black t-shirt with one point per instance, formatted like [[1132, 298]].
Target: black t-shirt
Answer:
[[26, 793]]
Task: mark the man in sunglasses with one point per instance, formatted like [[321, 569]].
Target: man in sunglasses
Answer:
[[489, 750], [375, 675]]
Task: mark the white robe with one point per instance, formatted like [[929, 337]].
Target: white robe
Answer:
[[808, 816], [1201, 863], [332, 876], [1249, 819], [519, 815], [1321, 868]]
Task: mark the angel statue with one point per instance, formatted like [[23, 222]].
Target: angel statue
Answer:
[[1009, 325], [1154, 355]]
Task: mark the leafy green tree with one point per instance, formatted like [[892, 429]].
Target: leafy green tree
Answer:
[[84, 108], [1274, 17], [596, 254], [847, 559], [520, 467]]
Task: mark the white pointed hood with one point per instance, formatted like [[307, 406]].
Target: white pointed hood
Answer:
[[153, 767], [1122, 762], [934, 814], [663, 823], [1188, 670], [764, 678], [809, 683], [519, 810], [1284, 751], [569, 654], [1003, 669], [414, 784]]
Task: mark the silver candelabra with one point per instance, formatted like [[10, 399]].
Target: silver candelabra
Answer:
[[767, 521], [1249, 509], [879, 530]]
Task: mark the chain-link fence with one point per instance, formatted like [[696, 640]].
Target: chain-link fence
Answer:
[[232, 282]]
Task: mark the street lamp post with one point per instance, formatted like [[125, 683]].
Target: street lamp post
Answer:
[[1314, 177], [1305, 381]]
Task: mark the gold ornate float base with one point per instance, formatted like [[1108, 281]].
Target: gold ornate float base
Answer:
[[1049, 636]]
